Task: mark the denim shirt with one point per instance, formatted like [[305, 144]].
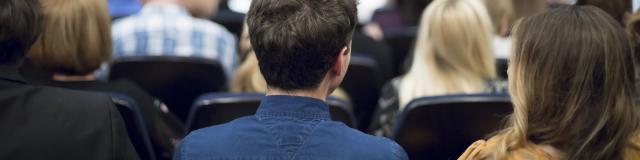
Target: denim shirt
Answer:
[[286, 127]]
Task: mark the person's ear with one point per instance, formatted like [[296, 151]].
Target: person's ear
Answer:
[[341, 61]]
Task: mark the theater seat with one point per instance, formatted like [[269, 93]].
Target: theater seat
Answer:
[[363, 83], [402, 43], [501, 68], [218, 108], [443, 127], [136, 128], [177, 81]]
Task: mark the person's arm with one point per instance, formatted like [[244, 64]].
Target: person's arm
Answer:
[[122, 147], [398, 152]]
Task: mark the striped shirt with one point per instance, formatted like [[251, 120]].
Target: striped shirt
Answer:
[[168, 29]]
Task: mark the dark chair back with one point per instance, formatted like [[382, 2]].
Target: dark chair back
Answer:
[[219, 108], [177, 81], [136, 128], [443, 127], [501, 68], [402, 43], [363, 83]]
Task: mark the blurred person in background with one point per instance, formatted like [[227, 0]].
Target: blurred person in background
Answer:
[[173, 27], [571, 80], [618, 9], [44, 122], [502, 14], [71, 47], [123, 8], [453, 55], [525, 8]]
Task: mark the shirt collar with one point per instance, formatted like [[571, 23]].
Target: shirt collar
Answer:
[[293, 107], [10, 73], [163, 8]]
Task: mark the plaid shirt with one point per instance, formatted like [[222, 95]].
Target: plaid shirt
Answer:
[[167, 29]]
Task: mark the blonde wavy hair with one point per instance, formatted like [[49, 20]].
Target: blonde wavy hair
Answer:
[[453, 52], [571, 79]]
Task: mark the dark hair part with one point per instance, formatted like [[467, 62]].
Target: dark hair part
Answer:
[[20, 25], [297, 41]]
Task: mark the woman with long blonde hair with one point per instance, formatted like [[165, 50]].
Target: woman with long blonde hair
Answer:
[[453, 55], [571, 78]]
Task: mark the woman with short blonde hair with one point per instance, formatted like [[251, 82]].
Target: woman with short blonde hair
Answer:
[[453, 55], [571, 79]]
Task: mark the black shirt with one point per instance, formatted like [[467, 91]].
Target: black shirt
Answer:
[[52, 123]]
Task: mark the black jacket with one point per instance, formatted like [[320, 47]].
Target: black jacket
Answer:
[[51, 123]]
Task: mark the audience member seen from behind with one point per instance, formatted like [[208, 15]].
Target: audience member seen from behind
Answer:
[[50, 123], [248, 77], [166, 27], [71, 47], [453, 55], [303, 48], [501, 14], [571, 79]]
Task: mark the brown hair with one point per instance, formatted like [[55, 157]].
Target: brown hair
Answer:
[[297, 41], [571, 79], [76, 37]]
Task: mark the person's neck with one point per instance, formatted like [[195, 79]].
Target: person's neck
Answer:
[[70, 78], [318, 93]]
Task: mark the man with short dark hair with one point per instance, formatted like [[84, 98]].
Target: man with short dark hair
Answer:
[[50, 123], [304, 48]]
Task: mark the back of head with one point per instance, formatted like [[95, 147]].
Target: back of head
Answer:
[[297, 41], [571, 80], [19, 27], [76, 37], [618, 9], [453, 52]]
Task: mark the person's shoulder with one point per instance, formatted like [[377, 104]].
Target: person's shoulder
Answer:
[[632, 150], [217, 135], [364, 145], [79, 101], [483, 149]]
